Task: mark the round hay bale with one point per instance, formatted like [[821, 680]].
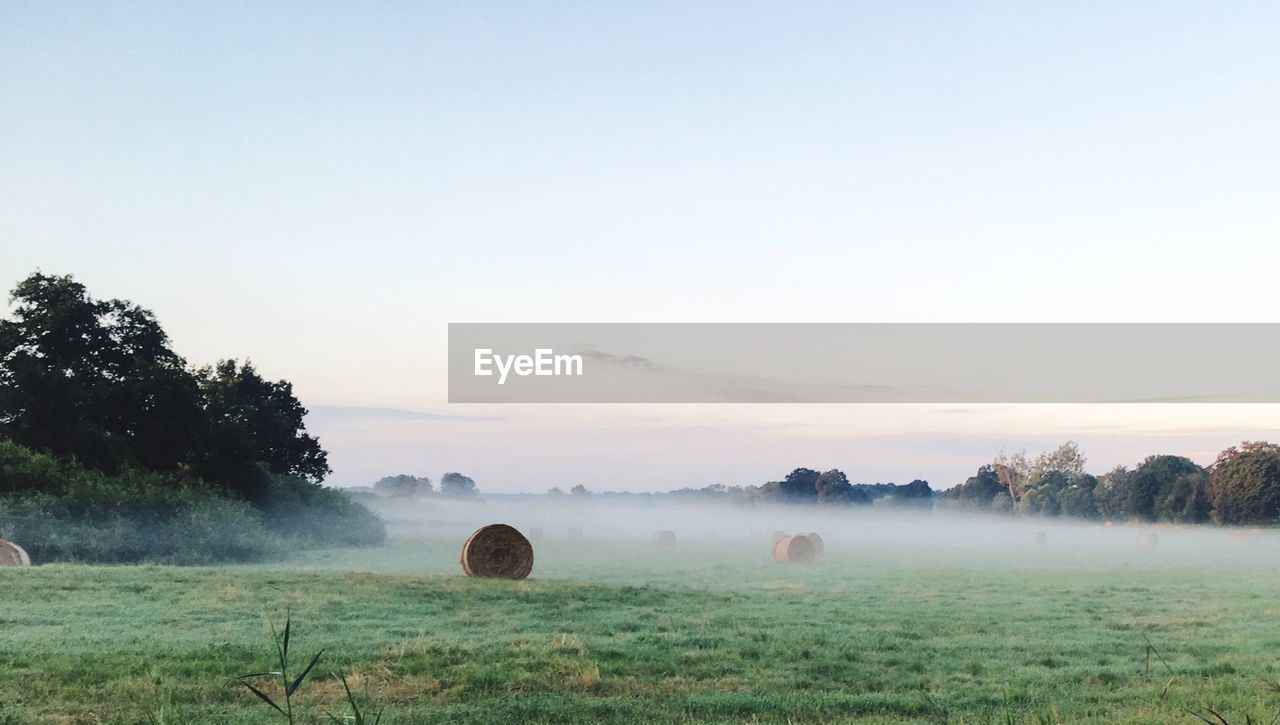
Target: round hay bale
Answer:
[[1148, 540], [1243, 537], [13, 555], [794, 550], [575, 532], [497, 551], [665, 538], [819, 545], [535, 533], [1040, 539]]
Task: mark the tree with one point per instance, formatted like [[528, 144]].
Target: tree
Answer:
[[1019, 475], [833, 487], [403, 486], [1186, 499], [580, 492], [1245, 484], [253, 421], [978, 491], [1109, 493], [800, 485], [456, 485], [916, 494], [1076, 498], [556, 493], [1134, 494], [94, 381]]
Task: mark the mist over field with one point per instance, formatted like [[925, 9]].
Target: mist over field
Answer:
[[707, 530]]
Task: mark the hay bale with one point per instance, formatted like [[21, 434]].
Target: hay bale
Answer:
[[819, 545], [1040, 539], [575, 532], [13, 555], [665, 538], [1148, 540], [535, 533], [497, 551], [1243, 537], [794, 550]]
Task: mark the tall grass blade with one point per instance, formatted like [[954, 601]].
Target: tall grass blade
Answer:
[[297, 682]]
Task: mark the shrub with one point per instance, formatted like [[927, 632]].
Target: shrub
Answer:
[[64, 512], [313, 515]]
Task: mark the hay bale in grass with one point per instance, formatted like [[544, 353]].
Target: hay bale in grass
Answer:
[[819, 545], [575, 532], [13, 555], [794, 550], [497, 551], [1243, 537], [665, 538], [1148, 540]]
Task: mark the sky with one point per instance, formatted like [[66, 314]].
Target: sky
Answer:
[[322, 187]]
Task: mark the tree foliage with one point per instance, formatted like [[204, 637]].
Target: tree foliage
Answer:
[[456, 485], [1246, 484], [96, 382]]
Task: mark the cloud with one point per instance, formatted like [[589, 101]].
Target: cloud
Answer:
[[344, 414]]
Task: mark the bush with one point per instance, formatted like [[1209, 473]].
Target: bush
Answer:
[[312, 515], [64, 512]]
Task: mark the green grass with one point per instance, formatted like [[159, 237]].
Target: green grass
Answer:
[[698, 632]]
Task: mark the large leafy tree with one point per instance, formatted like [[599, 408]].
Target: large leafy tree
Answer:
[[94, 381], [1161, 487], [255, 421], [1245, 484]]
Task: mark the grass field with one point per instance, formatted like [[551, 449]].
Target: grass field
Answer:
[[710, 630]]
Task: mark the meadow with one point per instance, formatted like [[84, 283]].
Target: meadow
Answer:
[[943, 621]]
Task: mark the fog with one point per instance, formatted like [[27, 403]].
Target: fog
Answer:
[[850, 534]]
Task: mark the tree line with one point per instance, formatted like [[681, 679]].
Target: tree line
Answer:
[[452, 485], [809, 486], [1242, 486]]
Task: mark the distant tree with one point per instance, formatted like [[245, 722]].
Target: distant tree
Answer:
[[94, 381], [1186, 499], [1134, 493], [978, 490], [580, 492], [1019, 475], [916, 494], [555, 492], [833, 487], [456, 485], [1075, 497], [800, 485], [1245, 484], [403, 486], [1002, 503]]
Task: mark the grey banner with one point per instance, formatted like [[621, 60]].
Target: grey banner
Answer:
[[863, 363]]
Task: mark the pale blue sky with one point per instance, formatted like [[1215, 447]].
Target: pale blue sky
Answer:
[[323, 186]]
